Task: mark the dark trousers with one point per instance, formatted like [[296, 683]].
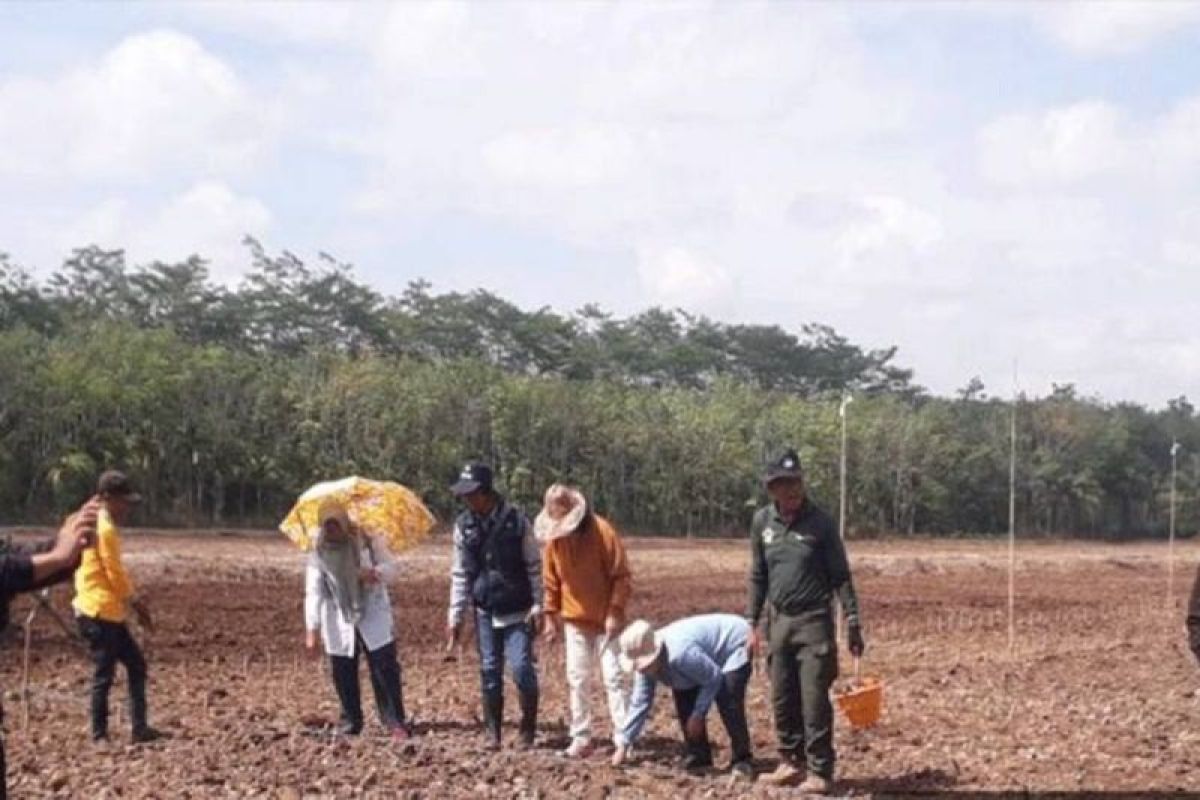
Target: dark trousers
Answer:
[[110, 643], [384, 668], [512, 643], [731, 703], [803, 665]]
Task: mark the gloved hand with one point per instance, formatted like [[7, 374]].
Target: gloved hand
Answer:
[[855, 640]]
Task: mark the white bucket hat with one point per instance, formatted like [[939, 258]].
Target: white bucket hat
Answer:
[[546, 527], [639, 646]]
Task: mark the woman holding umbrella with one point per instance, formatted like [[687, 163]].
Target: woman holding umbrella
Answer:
[[346, 602], [352, 528]]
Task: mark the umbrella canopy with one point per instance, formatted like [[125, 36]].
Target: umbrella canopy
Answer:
[[381, 508]]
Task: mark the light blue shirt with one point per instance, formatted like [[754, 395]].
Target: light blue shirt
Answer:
[[700, 650]]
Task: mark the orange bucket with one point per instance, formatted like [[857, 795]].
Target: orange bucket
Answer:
[[862, 702]]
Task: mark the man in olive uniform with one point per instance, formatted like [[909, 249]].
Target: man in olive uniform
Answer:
[[798, 563]]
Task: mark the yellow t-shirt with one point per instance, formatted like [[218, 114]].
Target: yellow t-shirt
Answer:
[[102, 588]]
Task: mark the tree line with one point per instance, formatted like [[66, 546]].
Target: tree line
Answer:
[[225, 403]]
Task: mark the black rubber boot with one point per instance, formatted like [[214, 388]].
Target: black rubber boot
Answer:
[[99, 716], [529, 712], [145, 734], [142, 732], [697, 756], [493, 714]]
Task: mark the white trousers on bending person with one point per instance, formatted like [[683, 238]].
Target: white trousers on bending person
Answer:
[[584, 648]]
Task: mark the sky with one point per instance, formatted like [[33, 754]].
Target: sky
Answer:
[[980, 185]]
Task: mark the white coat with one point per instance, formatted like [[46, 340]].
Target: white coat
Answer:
[[376, 625]]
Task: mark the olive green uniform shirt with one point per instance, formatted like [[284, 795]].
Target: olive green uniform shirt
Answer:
[[798, 567]]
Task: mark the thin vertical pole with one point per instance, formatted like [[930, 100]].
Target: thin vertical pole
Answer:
[[1012, 518], [25, 668], [846, 399], [1171, 532]]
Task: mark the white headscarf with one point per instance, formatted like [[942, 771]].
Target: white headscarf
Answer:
[[339, 561]]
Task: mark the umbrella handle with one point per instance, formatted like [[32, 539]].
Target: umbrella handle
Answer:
[[857, 666]]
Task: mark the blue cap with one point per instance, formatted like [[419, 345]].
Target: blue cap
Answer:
[[474, 477]]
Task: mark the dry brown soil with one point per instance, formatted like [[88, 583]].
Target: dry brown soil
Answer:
[[1099, 691]]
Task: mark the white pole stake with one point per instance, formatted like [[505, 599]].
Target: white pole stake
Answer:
[[1171, 532], [25, 667], [846, 400], [1012, 518]]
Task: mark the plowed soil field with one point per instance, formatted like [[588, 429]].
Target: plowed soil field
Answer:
[[1099, 691]]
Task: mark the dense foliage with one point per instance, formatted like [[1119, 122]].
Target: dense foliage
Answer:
[[224, 403]]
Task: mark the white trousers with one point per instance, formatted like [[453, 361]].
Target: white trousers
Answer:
[[583, 650]]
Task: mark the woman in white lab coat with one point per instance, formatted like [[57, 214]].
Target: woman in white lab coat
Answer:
[[346, 601]]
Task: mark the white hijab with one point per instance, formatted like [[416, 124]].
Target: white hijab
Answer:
[[339, 561]]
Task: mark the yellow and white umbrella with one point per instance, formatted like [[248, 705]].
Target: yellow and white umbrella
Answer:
[[381, 508]]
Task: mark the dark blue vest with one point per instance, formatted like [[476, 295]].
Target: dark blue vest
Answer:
[[493, 556]]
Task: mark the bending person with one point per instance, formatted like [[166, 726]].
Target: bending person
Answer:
[[704, 660]]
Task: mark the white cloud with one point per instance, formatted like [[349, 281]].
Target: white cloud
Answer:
[[208, 219], [1105, 28], [1093, 29], [431, 39], [1064, 144], [1179, 359], [156, 102], [1092, 139], [755, 161], [558, 158], [1173, 141], [675, 276], [628, 127], [1181, 242], [300, 22], [889, 224]]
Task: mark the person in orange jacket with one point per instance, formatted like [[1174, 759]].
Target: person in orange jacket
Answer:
[[104, 596], [587, 585]]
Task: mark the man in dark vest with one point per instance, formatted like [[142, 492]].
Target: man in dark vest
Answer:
[[497, 569], [797, 565]]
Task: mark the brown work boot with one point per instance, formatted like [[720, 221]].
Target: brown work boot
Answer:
[[786, 774], [815, 784]]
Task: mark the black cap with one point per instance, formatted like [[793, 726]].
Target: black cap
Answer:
[[474, 477], [786, 466], [115, 483]]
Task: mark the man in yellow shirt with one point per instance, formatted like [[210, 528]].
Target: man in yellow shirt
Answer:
[[103, 598]]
